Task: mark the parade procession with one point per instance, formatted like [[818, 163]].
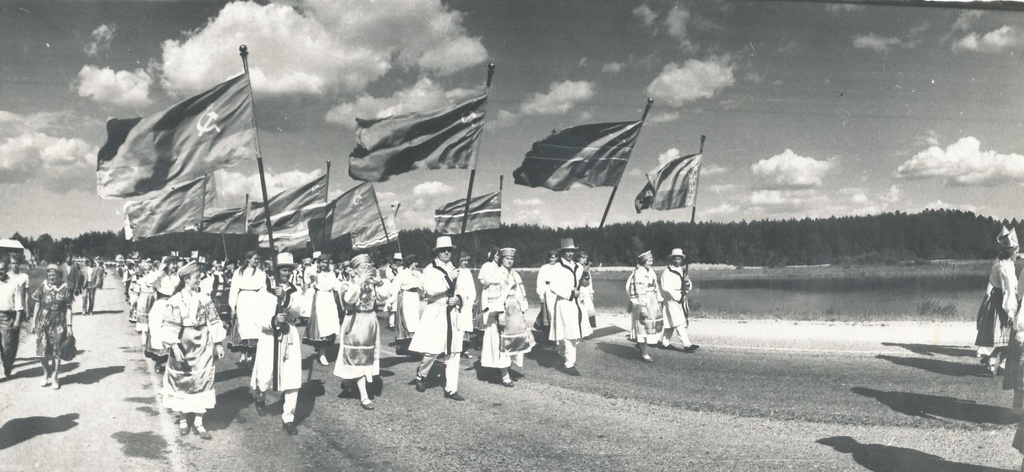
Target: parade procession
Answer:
[[556, 235]]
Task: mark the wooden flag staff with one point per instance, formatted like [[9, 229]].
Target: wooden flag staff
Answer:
[[693, 211], [472, 170], [650, 101]]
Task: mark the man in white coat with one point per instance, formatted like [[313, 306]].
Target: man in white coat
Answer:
[[438, 333], [674, 287], [569, 325]]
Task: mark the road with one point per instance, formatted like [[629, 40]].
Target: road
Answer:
[[757, 396]]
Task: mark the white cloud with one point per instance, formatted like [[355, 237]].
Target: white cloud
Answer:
[[859, 198], [893, 195], [561, 97], [60, 164], [991, 42], [424, 95], [504, 119], [724, 188], [612, 67], [965, 20], [663, 117], [723, 209], [668, 156], [645, 14], [232, 186], [694, 80], [964, 163], [100, 39], [432, 189], [789, 170], [676, 22], [712, 169], [124, 88], [527, 202], [778, 201], [331, 45], [874, 42]]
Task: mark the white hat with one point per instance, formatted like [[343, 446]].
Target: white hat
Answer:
[[443, 242], [677, 252], [1007, 238], [316, 254], [188, 269], [507, 251], [567, 244], [397, 256], [646, 256], [285, 259]]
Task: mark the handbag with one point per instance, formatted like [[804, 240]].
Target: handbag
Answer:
[[66, 351]]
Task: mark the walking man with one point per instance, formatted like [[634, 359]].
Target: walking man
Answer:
[[438, 334], [568, 323], [12, 309], [675, 285], [93, 280], [73, 278]]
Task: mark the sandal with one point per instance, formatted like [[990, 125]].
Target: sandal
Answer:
[[183, 427], [201, 431]]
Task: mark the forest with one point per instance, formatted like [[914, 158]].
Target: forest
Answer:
[[888, 238]]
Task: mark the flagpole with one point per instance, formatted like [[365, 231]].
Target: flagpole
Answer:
[[472, 172], [246, 214], [395, 217], [327, 201], [383, 223], [224, 242], [202, 208], [693, 211], [650, 101], [244, 52]]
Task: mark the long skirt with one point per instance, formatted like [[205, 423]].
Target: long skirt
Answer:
[[1013, 375], [501, 345], [188, 381], [252, 310], [142, 306], [289, 361], [648, 320], [154, 321], [407, 313], [360, 347], [569, 322], [323, 323], [437, 332], [993, 322]]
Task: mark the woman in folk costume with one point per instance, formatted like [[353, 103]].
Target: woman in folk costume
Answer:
[[134, 287], [52, 322], [465, 288], [507, 336], [323, 303], [493, 256], [645, 300], [405, 297], [675, 285], [587, 288], [547, 301], [359, 358], [278, 361], [244, 300], [147, 295], [388, 274], [999, 304], [166, 286], [569, 323], [437, 333], [193, 333]]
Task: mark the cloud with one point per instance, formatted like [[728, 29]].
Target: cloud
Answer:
[[612, 67], [124, 88], [676, 21], [57, 163], [789, 170], [712, 169], [504, 119], [723, 209], [646, 15], [781, 201], [663, 117], [963, 163], [893, 195], [668, 156], [527, 202], [561, 97], [424, 95], [695, 79], [965, 20], [232, 186], [991, 42], [875, 42], [432, 189], [724, 188], [100, 39], [331, 45]]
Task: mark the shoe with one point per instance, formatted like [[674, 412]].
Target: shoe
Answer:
[[573, 371], [289, 428], [637, 346], [45, 382], [454, 396], [56, 384], [670, 347], [646, 359], [467, 355], [183, 427], [691, 348], [202, 432], [366, 404], [323, 360], [421, 384], [261, 406], [160, 369], [984, 360], [508, 383]]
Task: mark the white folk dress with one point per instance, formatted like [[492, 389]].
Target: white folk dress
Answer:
[[645, 298], [675, 306], [568, 319], [321, 301], [405, 295], [437, 332], [247, 299], [507, 334]]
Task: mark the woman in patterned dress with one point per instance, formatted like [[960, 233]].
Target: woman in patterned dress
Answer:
[[999, 304], [359, 358], [53, 322], [507, 335], [645, 298]]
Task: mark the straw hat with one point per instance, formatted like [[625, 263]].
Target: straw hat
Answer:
[[443, 242], [397, 256], [677, 252], [188, 269], [285, 259]]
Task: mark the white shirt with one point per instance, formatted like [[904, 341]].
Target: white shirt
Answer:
[[10, 295]]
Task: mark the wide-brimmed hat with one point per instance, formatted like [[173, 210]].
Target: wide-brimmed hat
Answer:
[[677, 252], [1007, 238], [567, 245], [397, 256], [285, 259], [188, 269], [167, 285], [443, 242]]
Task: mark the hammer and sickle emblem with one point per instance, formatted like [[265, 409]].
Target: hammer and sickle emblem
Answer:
[[206, 121], [356, 200]]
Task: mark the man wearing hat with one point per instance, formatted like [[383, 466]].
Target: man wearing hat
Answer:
[[437, 334], [279, 337], [569, 324], [675, 285]]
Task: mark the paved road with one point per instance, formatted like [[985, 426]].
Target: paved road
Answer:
[[757, 396]]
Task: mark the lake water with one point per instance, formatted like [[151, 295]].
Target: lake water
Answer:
[[926, 297]]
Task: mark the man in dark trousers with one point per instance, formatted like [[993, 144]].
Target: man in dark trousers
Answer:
[[74, 278]]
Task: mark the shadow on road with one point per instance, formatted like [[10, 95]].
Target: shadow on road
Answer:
[[22, 429], [932, 406], [38, 371], [955, 369], [618, 350], [933, 349], [878, 457], [545, 356], [223, 375], [229, 404], [92, 376], [307, 399], [389, 362]]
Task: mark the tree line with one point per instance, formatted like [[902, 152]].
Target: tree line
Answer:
[[887, 238]]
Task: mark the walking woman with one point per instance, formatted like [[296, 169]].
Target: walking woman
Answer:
[[323, 304], [645, 300], [53, 322], [244, 301], [587, 288], [193, 333], [359, 359], [507, 335], [999, 304], [465, 287], [147, 295], [407, 288], [166, 287]]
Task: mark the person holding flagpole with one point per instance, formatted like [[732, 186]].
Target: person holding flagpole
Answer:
[[322, 302], [359, 358], [645, 300], [675, 287], [507, 336], [568, 323], [405, 297], [437, 334]]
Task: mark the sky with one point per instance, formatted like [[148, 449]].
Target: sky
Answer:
[[811, 109]]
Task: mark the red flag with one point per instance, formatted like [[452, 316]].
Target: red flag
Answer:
[[291, 208], [484, 213], [178, 211], [593, 155], [671, 185]]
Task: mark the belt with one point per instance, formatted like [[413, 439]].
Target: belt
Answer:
[[410, 290], [249, 289]]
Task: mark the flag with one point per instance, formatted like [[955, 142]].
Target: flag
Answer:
[[188, 140], [672, 185], [224, 220], [593, 155], [290, 208], [484, 213], [291, 239], [376, 234], [355, 212], [177, 211], [439, 139]]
